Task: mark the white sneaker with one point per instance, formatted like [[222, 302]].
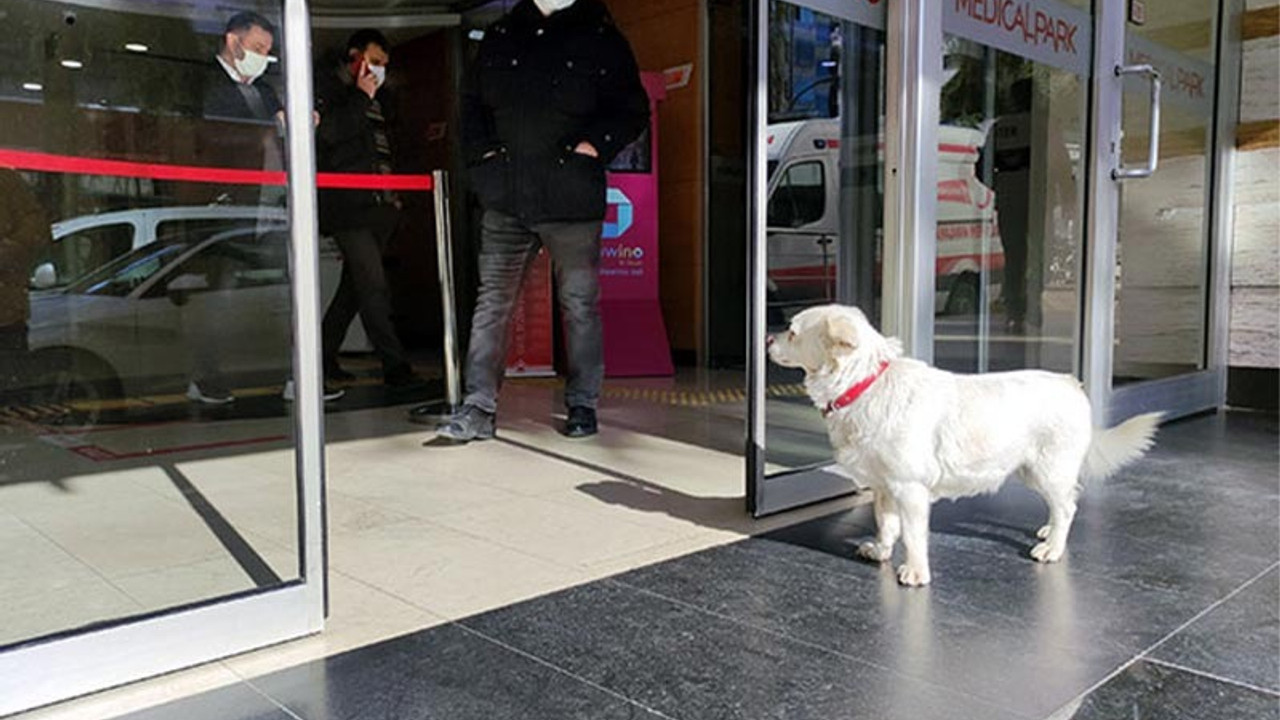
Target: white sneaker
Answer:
[[208, 396], [330, 393]]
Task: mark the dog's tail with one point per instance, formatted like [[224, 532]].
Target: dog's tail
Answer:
[[1112, 449]]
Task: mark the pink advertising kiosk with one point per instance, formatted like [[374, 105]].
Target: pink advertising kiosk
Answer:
[[635, 336]]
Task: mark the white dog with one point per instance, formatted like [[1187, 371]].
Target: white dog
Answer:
[[915, 434]]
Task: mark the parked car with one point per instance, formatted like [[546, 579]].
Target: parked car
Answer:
[[84, 244], [126, 328]]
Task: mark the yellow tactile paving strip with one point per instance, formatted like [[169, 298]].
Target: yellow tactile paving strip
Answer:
[[675, 396]]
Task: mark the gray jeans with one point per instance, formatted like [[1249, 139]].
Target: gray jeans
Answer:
[[507, 247]]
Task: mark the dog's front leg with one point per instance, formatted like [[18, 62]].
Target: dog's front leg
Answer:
[[913, 503], [888, 529]]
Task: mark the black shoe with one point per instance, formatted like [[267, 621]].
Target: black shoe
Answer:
[[581, 423], [469, 423], [399, 377], [335, 374], [333, 371]]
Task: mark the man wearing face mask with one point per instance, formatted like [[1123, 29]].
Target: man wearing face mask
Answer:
[[554, 95], [234, 92], [245, 133], [355, 137], [248, 132]]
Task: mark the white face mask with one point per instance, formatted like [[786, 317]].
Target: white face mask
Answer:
[[252, 65], [379, 72], [550, 6]]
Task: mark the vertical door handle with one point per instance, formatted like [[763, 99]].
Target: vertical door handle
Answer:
[[1153, 142]]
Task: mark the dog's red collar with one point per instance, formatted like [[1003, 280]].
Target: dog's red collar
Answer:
[[851, 395]]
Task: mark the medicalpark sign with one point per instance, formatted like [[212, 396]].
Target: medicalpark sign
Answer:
[[1045, 31]]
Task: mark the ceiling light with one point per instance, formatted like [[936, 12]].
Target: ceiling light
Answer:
[[72, 64], [32, 87], [136, 47]]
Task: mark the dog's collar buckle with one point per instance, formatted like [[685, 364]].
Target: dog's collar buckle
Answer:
[[851, 395]]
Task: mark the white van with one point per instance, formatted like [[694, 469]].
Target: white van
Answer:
[[804, 216]]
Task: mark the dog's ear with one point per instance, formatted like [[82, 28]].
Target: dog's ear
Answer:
[[842, 333]]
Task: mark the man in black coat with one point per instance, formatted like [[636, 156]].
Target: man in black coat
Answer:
[[248, 134], [233, 92], [554, 95], [354, 137]]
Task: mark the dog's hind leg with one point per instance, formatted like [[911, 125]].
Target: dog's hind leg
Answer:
[[913, 503], [1059, 491], [888, 529]]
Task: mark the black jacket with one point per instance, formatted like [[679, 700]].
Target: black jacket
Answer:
[[241, 135], [540, 86], [224, 99], [345, 144]]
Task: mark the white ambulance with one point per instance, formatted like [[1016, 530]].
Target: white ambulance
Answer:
[[804, 217]]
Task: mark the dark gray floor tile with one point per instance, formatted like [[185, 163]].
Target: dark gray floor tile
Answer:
[[235, 702], [1231, 442], [444, 673], [691, 665], [1032, 666], [1238, 640], [1147, 691], [1188, 539], [1079, 608]]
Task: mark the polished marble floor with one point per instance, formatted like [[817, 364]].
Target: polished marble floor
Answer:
[[1167, 606]]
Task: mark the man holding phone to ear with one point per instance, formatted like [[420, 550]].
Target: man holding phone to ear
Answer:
[[354, 137]]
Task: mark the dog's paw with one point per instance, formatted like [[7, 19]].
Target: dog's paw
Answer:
[[875, 552], [1046, 553], [1043, 533], [913, 577]]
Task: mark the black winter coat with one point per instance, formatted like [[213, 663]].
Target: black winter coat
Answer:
[[540, 86], [345, 144]]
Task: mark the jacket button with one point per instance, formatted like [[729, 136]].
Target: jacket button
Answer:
[[514, 62], [540, 31], [569, 64]]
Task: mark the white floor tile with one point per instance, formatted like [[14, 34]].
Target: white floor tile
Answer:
[[360, 615], [445, 571], [208, 579], [89, 601], [31, 564], [566, 535]]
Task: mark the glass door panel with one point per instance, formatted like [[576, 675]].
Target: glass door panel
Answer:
[[1164, 224], [1014, 118], [150, 261], [824, 82]]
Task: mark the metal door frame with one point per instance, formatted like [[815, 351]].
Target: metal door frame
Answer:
[[914, 45], [1193, 392], [912, 80], [47, 671]]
